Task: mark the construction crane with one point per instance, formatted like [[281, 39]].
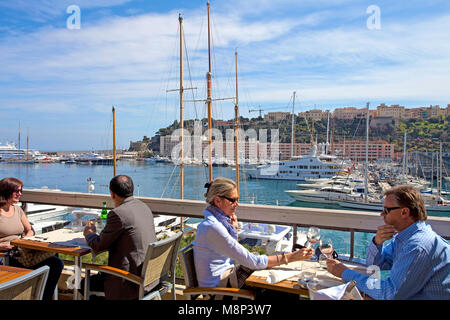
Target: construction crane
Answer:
[[260, 111]]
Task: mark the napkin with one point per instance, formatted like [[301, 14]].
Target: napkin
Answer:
[[277, 275], [332, 293]]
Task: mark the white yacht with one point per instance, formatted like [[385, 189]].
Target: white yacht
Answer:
[[433, 203], [330, 194], [327, 183], [301, 168], [8, 151]]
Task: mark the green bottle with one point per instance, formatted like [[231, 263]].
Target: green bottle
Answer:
[[104, 213]]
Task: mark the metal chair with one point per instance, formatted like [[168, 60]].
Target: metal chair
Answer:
[[193, 291], [4, 258], [159, 263], [27, 287]]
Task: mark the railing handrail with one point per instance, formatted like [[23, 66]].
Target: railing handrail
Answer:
[[344, 220]]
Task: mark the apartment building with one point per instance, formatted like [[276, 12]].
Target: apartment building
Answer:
[[314, 115], [276, 116], [349, 113], [356, 150]]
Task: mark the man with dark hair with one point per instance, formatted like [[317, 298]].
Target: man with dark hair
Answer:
[[128, 231], [122, 186], [418, 258]]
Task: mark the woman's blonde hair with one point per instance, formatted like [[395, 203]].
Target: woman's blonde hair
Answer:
[[218, 187]]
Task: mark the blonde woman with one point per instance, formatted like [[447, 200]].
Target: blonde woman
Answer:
[[216, 249]]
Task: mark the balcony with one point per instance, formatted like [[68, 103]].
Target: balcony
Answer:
[[343, 220]]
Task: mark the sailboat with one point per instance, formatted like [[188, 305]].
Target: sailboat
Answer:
[[433, 203], [316, 165]]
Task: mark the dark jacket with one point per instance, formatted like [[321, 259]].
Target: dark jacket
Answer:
[[128, 231]]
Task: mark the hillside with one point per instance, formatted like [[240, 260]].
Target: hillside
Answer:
[[422, 135]]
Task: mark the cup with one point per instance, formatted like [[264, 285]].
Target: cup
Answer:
[[323, 261], [308, 276]]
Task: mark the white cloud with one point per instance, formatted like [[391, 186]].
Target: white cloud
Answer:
[[132, 61]]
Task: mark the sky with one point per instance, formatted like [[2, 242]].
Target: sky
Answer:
[[65, 63]]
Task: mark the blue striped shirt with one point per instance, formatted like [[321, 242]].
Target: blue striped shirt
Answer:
[[215, 251], [419, 261]]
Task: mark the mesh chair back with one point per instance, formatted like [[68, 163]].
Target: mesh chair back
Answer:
[[27, 287], [188, 266], [160, 260]]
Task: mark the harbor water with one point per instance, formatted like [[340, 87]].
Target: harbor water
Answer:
[[162, 181]]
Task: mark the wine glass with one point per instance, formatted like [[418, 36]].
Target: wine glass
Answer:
[[313, 236], [326, 247]]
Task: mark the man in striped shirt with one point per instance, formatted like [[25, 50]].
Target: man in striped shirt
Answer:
[[418, 258]]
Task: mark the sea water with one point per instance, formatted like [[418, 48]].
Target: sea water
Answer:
[[162, 181]]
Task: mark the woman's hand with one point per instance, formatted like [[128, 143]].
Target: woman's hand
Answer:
[[5, 246], [234, 221], [302, 254]]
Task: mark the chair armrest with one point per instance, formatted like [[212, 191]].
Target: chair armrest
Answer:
[[115, 272], [234, 292]]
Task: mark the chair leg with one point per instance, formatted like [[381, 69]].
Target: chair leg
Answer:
[[174, 294], [55, 294], [86, 284]]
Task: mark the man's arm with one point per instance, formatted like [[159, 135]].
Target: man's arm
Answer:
[[408, 276], [109, 234]]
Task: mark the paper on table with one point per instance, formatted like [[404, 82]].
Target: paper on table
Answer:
[[277, 275], [62, 237], [333, 293]]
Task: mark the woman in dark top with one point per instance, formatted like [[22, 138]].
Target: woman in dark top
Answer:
[[14, 225]]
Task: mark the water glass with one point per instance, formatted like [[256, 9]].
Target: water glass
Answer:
[[323, 261], [308, 276]]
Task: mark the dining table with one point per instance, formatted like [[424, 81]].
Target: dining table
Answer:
[[64, 241], [290, 278], [8, 273]]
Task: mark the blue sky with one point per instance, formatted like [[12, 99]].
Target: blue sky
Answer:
[[61, 83]]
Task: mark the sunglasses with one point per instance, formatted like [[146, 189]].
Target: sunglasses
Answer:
[[232, 200], [387, 210], [19, 191]]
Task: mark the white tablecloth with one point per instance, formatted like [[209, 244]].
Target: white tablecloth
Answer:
[[64, 237]]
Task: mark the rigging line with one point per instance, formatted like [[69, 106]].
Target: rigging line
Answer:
[[190, 75], [168, 180], [215, 81]]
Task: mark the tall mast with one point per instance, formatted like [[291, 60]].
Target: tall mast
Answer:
[[180, 19], [114, 140], [236, 128], [366, 165], [328, 130], [432, 171], [292, 127], [404, 156], [440, 167], [28, 145], [19, 140], [209, 101]]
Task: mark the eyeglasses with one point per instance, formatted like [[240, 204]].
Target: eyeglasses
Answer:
[[232, 200], [19, 191], [387, 210]]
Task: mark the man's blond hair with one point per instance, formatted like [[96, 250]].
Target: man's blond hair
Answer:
[[411, 198]]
